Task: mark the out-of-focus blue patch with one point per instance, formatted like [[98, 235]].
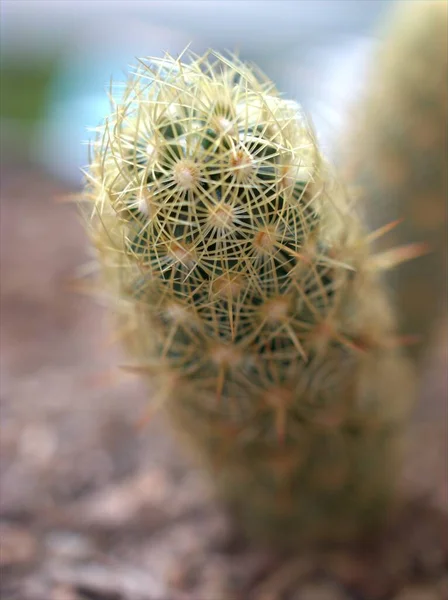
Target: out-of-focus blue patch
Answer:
[[61, 145], [78, 102]]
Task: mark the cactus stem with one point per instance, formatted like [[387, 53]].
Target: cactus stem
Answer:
[[247, 287]]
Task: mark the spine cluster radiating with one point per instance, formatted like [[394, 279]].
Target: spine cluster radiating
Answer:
[[247, 293]]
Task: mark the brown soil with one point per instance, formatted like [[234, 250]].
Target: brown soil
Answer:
[[92, 508]]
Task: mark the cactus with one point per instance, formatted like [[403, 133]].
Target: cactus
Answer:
[[247, 294], [400, 169]]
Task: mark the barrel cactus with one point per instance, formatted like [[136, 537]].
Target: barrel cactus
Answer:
[[245, 291], [400, 169]]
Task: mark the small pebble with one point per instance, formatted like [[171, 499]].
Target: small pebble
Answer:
[[418, 593], [63, 592], [442, 587], [347, 568], [320, 591], [215, 583], [270, 595], [38, 444], [182, 576], [18, 546], [366, 581], [68, 545]]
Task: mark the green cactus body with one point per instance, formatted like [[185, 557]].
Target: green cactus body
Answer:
[[400, 168], [249, 297]]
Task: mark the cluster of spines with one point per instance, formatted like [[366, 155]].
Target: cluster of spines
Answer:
[[248, 281], [218, 207]]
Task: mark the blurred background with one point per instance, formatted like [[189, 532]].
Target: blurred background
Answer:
[[57, 58], [93, 508]]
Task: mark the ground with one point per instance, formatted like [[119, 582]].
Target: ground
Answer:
[[94, 508]]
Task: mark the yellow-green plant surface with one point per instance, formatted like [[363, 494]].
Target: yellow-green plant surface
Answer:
[[246, 292], [399, 156]]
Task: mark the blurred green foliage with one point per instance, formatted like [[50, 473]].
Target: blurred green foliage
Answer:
[[24, 90]]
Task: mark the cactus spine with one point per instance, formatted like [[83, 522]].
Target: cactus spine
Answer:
[[250, 298], [400, 167]]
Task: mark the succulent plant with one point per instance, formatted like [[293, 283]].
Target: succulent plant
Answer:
[[245, 291], [400, 168]]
